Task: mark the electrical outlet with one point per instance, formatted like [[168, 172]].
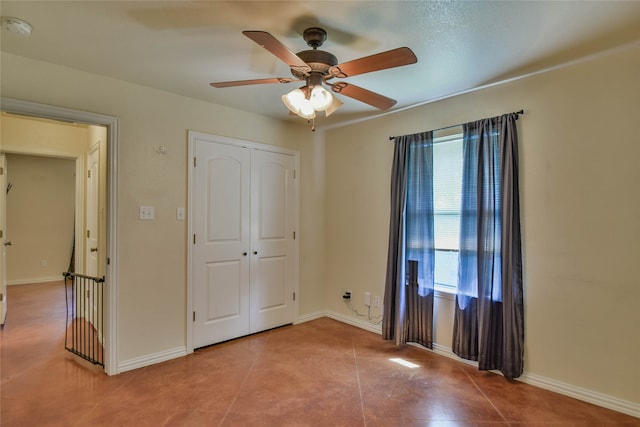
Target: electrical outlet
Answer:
[[147, 212], [43, 263], [377, 301], [367, 299]]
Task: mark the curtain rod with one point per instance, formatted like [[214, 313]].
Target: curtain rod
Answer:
[[391, 138]]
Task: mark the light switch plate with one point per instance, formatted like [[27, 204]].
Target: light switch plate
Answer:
[[147, 212], [180, 214]]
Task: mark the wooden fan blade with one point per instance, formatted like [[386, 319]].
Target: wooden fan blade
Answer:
[[252, 82], [363, 95], [274, 46], [379, 61]]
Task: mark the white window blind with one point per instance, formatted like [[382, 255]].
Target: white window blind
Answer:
[[447, 196], [447, 188]]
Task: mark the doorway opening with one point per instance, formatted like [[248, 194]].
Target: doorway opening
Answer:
[[94, 256]]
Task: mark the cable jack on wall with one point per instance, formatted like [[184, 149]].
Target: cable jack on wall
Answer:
[[374, 320]]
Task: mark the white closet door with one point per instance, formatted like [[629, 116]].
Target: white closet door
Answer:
[[272, 248], [220, 257]]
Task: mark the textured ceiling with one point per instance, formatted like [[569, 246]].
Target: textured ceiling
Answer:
[[182, 46]]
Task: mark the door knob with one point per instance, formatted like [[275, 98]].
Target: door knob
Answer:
[[244, 254], [255, 252], [8, 243], [94, 249]]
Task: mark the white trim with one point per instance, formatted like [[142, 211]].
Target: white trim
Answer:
[[609, 402], [358, 323], [309, 317], [113, 125], [152, 359]]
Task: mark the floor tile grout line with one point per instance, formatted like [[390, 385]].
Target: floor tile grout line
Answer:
[[355, 363], [487, 397], [245, 379]]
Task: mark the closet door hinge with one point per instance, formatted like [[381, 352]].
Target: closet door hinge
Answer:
[[89, 173], [1, 297], [194, 162], [294, 235], [294, 174], [194, 316], [1, 171], [194, 239], [294, 296], [88, 233]]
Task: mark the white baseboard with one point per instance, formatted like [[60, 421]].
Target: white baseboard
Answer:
[[151, 359], [359, 323], [609, 402], [309, 317], [35, 280], [599, 399]]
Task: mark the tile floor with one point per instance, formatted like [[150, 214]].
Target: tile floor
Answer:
[[319, 373]]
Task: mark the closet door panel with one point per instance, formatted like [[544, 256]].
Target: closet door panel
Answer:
[[272, 227], [220, 261]]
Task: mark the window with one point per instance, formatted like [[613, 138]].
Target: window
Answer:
[[447, 196]]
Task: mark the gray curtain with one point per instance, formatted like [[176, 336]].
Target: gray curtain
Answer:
[[408, 298], [489, 316]]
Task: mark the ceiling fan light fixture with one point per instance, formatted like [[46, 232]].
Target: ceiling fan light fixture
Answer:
[[307, 111], [296, 101], [335, 104], [16, 26], [320, 98], [293, 100]]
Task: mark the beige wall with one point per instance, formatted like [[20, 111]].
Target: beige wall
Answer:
[[40, 217], [152, 255], [579, 149]]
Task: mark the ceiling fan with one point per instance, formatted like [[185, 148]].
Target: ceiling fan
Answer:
[[315, 67]]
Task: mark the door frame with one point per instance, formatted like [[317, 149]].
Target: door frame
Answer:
[[216, 139], [3, 238], [28, 108]]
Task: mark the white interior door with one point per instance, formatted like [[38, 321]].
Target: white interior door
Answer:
[[3, 238], [272, 249], [220, 255], [92, 235], [92, 206]]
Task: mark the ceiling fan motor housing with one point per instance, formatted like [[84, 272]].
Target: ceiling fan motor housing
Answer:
[[319, 61]]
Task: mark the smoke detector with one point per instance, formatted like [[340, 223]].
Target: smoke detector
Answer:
[[16, 26]]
